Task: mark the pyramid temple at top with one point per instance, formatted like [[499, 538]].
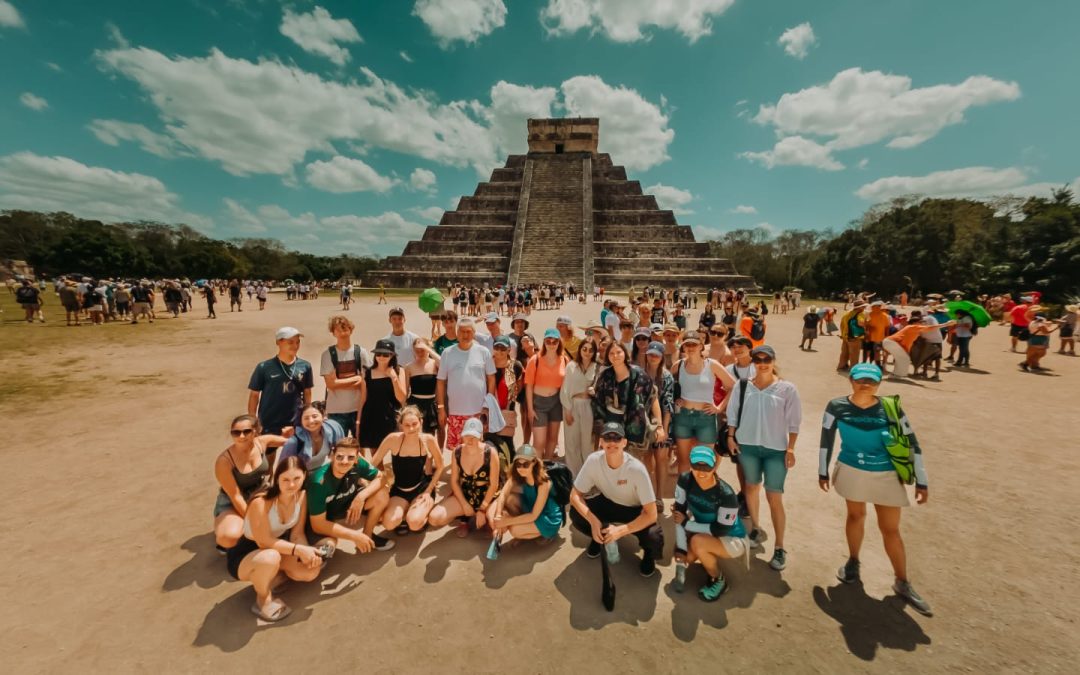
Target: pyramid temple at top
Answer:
[[563, 213]]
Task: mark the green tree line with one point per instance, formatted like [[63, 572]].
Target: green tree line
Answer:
[[924, 246], [60, 243]]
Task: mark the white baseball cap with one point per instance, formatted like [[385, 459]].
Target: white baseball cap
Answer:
[[287, 333], [473, 427]]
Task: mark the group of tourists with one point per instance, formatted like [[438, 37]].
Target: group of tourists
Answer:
[[643, 410]]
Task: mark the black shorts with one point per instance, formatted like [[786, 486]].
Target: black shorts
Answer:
[[235, 555], [410, 495], [1066, 331], [1019, 332]]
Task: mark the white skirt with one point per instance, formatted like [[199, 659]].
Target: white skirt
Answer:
[[871, 487]]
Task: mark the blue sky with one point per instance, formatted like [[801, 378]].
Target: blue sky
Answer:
[[347, 126]]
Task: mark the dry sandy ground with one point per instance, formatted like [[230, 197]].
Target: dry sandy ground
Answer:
[[109, 562]]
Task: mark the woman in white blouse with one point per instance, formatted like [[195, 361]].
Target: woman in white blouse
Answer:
[[577, 408], [763, 424]]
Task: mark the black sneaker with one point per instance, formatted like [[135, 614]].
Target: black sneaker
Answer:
[[402, 530], [849, 573], [594, 549], [221, 549], [382, 543], [648, 566]]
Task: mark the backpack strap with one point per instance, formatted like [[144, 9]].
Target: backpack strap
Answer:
[[743, 383], [334, 357]]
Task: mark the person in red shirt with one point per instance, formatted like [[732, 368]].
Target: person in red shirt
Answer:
[[1018, 328]]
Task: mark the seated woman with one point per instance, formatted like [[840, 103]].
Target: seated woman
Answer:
[[241, 469], [474, 482], [314, 439], [707, 524], [412, 494], [526, 508], [262, 556]]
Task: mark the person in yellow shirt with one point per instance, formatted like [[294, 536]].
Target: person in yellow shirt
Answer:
[[570, 342], [852, 332], [877, 327]]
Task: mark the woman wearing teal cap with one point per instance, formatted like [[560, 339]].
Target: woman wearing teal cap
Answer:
[[525, 508], [707, 525], [544, 377], [865, 474]]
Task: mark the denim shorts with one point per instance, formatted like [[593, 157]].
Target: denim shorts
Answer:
[[697, 424], [759, 462]]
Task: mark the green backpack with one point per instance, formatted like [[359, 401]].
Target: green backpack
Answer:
[[896, 441]]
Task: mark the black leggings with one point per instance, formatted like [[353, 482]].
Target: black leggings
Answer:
[[651, 538]]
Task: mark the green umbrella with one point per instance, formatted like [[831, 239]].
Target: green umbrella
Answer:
[[431, 300], [982, 319]]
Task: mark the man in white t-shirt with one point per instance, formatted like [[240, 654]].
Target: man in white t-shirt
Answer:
[[466, 376], [613, 318], [402, 339], [342, 369], [622, 503]]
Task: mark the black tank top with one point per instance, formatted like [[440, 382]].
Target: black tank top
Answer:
[[422, 385], [408, 469]]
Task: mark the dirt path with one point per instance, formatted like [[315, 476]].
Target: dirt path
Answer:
[[110, 566]]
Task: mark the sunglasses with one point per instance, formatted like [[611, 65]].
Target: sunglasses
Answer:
[[718, 333], [762, 359], [237, 433], [865, 381], [588, 348], [522, 463]]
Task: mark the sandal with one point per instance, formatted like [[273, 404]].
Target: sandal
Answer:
[[279, 613]]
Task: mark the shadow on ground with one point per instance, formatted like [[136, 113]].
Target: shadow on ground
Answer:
[[868, 624]]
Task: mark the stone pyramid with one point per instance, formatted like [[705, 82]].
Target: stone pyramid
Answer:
[[562, 213]]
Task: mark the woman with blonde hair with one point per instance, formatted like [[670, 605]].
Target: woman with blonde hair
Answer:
[[412, 495]]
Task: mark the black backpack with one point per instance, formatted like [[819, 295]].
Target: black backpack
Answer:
[[757, 330], [25, 295], [562, 482]]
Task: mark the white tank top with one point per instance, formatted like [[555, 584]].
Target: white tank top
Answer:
[[697, 387], [277, 528]]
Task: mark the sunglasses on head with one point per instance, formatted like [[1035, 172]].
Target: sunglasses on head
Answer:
[[762, 359], [237, 433]]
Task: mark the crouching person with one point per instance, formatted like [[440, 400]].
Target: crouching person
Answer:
[[707, 525], [338, 500], [624, 504], [262, 556]]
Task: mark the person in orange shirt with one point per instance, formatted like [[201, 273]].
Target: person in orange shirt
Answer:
[[898, 345], [877, 327], [746, 326]]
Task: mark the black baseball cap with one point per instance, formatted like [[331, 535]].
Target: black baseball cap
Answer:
[[613, 429]]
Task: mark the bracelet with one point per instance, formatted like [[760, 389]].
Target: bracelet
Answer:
[[293, 550]]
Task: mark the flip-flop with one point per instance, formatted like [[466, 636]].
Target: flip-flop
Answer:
[[280, 613]]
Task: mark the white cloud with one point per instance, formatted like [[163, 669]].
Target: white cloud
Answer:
[[319, 33], [264, 117], [423, 180], [9, 16], [744, 209], [111, 132], [511, 105], [405, 56], [55, 67], [465, 20], [241, 219], [798, 40], [32, 101], [34, 182], [431, 213], [116, 36], [863, 163], [859, 108], [623, 20], [796, 151], [633, 130], [974, 182], [671, 198], [345, 174], [384, 234]]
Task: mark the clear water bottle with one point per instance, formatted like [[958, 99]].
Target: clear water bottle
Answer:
[[612, 551]]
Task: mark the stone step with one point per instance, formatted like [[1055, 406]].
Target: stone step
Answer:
[[601, 173], [632, 217], [488, 203], [634, 233], [666, 265], [552, 244], [471, 263], [648, 249], [515, 162], [469, 233], [503, 188], [624, 202], [475, 218], [617, 187], [458, 248], [507, 175]]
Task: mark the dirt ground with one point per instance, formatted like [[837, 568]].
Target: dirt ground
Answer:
[[109, 563]]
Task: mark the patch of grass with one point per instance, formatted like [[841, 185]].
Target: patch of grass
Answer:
[[27, 386]]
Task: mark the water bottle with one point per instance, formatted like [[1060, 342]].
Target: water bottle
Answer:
[[612, 550]]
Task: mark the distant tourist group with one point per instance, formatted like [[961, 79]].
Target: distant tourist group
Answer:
[[645, 404]]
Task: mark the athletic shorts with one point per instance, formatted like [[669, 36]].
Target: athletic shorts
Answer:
[[809, 333], [1019, 332], [699, 424], [761, 464], [547, 408]]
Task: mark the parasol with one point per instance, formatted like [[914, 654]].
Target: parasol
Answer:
[[982, 319], [431, 300]]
